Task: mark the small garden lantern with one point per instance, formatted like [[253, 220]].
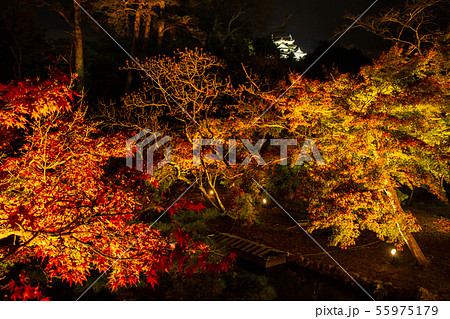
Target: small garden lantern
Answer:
[[394, 258]]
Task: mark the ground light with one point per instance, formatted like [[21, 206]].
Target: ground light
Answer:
[[211, 192], [264, 201], [394, 258]]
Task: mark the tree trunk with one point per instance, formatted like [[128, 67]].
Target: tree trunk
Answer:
[[160, 30], [17, 69], [79, 59], [421, 260], [135, 37], [215, 201], [148, 24], [411, 196], [414, 248]]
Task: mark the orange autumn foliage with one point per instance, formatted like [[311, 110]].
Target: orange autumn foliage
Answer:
[[62, 205]]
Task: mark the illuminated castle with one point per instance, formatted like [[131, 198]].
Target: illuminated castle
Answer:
[[287, 47]]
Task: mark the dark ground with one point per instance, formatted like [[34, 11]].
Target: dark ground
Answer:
[[370, 259]]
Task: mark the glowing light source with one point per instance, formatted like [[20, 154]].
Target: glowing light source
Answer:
[[264, 201], [394, 258], [211, 192]]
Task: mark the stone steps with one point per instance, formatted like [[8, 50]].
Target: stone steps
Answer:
[[252, 252]]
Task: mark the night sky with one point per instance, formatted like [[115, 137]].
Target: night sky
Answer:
[[313, 21]]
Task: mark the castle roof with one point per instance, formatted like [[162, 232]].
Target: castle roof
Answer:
[[287, 47]]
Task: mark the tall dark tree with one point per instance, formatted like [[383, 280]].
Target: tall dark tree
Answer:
[[228, 24], [414, 24], [78, 44], [22, 43], [71, 13], [131, 19]]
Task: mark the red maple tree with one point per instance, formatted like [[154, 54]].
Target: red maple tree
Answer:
[[61, 204]]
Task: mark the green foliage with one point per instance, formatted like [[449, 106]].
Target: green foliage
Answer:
[[234, 285], [196, 223], [284, 180], [384, 129], [244, 208], [402, 197], [5, 268]]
